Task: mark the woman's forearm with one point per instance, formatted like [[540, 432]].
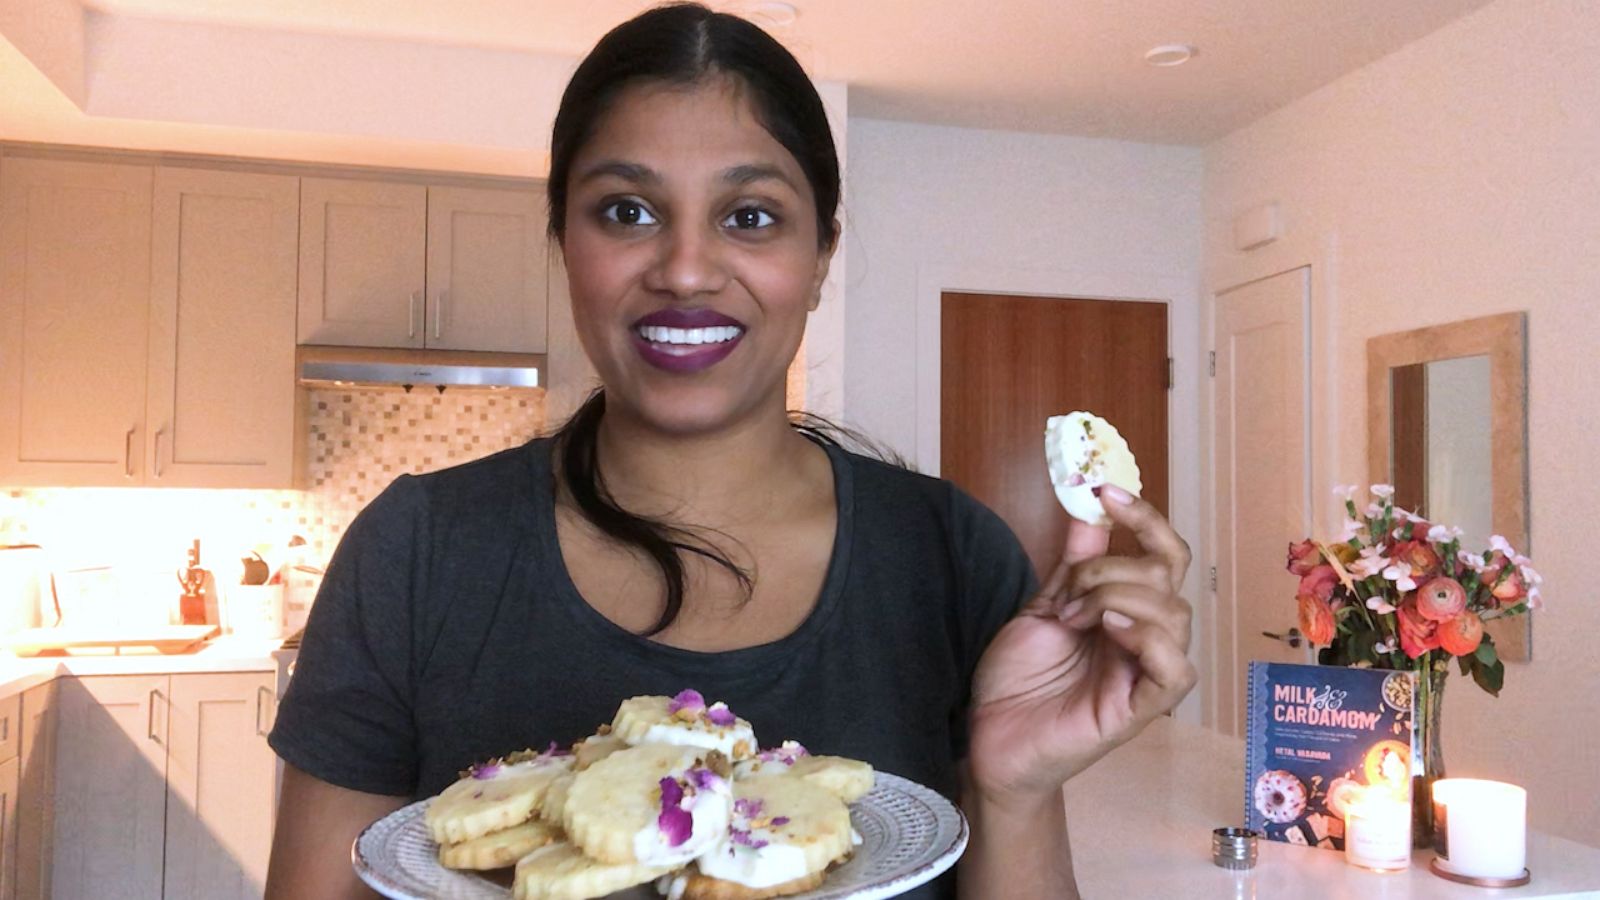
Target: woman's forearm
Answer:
[[1018, 850]]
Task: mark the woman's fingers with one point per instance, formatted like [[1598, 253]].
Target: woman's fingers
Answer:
[[1121, 604], [1084, 542], [1154, 532], [1165, 673], [1147, 571]]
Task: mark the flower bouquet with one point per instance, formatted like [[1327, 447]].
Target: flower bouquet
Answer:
[[1397, 592]]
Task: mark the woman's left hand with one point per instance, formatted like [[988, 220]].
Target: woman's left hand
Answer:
[[1098, 653]]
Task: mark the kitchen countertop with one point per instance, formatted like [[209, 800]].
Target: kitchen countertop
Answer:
[[222, 654], [1141, 822]]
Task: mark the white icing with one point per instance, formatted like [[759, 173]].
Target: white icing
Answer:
[[683, 735], [761, 867], [1080, 459], [709, 810], [672, 885]]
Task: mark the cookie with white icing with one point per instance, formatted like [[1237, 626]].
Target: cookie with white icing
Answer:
[[686, 720], [654, 804], [1083, 452], [784, 833], [560, 872], [494, 796]]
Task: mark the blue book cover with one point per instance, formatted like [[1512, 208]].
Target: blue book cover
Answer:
[[1316, 737]]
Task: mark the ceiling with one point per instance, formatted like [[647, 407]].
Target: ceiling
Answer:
[[1052, 66]]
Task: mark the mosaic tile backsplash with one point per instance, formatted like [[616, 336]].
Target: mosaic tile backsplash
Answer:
[[359, 442]]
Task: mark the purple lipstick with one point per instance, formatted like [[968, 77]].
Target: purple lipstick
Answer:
[[686, 340]]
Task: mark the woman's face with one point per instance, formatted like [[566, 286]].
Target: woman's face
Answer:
[[691, 249]]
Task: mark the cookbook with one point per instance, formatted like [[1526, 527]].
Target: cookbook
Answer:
[[1316, 738]]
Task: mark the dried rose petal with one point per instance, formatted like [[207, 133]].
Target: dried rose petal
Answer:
[[780, 821], [485, 771], [745, 806], [706, 780], [674, 822], [690, 699], [720, 714], [744, 838], [786, 754]]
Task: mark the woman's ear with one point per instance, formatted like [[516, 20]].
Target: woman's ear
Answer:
[[824, 259]]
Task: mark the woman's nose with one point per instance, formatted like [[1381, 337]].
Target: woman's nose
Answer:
[[689, 264]]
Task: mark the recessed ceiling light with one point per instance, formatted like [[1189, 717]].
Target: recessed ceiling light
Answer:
[[773, 13], [1171, 54]]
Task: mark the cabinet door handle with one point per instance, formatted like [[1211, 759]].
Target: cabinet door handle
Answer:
[[263, 700], [438, 315], [411, 318], [150, 719], [5, 729], [161, 433], [127, 452]]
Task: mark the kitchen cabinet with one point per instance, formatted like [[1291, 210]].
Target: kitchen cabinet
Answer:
[[74, 319], [162, 786], [147, 318], [36, 818], [10, 718], [221, 398], [386, 264]]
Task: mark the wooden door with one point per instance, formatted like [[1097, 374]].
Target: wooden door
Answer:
[[1262, 475], [362, 255], [36, 813], [220, 775], [222, 329], [1009, 363], [110, 786], [8, 828], [74, 306], [487, 270]]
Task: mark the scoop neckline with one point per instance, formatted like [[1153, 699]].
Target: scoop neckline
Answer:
[[727, 663]]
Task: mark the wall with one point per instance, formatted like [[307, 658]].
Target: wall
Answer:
[[1457, 178], [935, 208], [358, 442]]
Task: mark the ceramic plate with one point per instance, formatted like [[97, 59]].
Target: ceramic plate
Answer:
[[909, 835]]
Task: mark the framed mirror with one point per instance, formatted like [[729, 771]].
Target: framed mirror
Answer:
[[1447, 425]]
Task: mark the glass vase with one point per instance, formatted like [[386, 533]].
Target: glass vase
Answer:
[[1427, 753]]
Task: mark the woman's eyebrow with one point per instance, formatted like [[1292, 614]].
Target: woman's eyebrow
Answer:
[[627, 171], [752, 172]]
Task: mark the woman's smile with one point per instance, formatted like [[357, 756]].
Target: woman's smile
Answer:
[[686, 340]]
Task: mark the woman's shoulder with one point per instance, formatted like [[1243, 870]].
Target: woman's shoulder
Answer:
[[894, 484]]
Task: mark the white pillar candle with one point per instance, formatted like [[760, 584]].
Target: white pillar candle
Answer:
[[1482, 827], [1377, 830]]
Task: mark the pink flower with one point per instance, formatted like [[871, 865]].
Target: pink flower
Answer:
[[1441, 599], [1401, 576], [1319, 582], [689, 700], [675, 823], [1380, 606], [1418, 635], [1371, 562], [1461, 635], [1440, 534], [1384, 491], [1303, 557]]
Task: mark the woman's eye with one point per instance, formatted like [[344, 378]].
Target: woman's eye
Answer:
[[749, 217], [628, 212]]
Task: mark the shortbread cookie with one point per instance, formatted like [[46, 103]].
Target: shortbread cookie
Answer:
[[766, 762], [554, 801], [560, 872], [784, 829], [686, 720], [594, 748], [499, 849], [847, 779], [701, 887], [654, 804], [1083, 452], [494, 796]]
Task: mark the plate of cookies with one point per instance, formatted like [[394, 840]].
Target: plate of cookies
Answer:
[[674, 798]]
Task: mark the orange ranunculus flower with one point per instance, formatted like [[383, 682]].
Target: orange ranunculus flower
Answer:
[[1419, 556], [1418, 634], [1303, 557], [1509, 590], [1461, 635], [1316, 620], [1319, 583], [1441, 599]]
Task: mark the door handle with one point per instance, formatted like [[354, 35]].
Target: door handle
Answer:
[[1292, 637], [438, 315], [150, 719], [411, 318], [127, 452], [160, 434], [262, 691]]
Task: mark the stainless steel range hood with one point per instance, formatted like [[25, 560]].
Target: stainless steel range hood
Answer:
[[353, 368]]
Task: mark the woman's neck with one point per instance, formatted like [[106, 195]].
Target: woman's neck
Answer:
[[733, 475]]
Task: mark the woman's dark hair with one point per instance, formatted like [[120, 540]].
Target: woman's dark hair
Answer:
[[681, 44]]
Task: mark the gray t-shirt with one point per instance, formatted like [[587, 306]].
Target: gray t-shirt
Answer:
[[448, 631]]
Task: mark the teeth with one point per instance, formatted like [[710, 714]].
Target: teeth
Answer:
[[657, 334]]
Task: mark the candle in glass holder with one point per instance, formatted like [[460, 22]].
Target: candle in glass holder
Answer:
[[1377, 830], [1482, 827]]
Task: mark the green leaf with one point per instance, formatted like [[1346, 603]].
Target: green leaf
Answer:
[[1466, 664], [1486, 653], [1489, 677], [1360, 645]]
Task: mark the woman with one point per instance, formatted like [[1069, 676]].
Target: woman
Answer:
[[679, 532]]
